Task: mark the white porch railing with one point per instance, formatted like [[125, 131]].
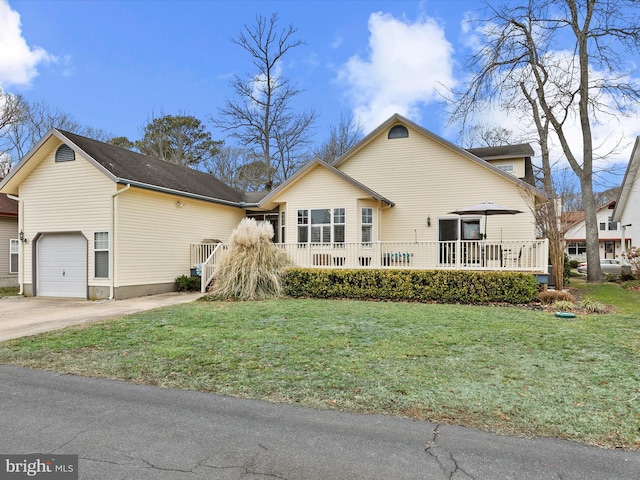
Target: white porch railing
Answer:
[[208, 266], [199, 252], [520, 256], [455, 255]]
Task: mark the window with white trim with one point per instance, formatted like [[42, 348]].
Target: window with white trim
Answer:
[[101, 254], [282, 229], [14, 255], [367, 225], [577, 248], [507, 167], [326, 225]]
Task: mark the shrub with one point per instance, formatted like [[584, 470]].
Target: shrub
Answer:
[[253, 267], [631, 285], [564, 306], [187, 284], [574, 263], [551, 296], [592, 306], [445, 286]]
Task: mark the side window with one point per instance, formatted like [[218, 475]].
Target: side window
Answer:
[[303, 226], [101, 254], [367, 225], [14, 252]]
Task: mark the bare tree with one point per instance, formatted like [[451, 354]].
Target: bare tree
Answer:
[[521, 50], [342, 137], [261, 116]]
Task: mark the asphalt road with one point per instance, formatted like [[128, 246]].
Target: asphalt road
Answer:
[[125, 431]]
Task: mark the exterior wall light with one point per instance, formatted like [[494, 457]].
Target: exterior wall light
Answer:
[[429, 221]]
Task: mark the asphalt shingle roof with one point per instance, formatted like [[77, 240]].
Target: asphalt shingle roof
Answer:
[[128, 165], [8, 207]]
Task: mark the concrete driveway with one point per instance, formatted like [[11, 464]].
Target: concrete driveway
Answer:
[[24, 316]]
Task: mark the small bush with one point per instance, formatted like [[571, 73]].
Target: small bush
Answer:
[[187, 284], [592, 306], [574, 263], [631, 285], [551, 296], [564, 306], [444, 286]]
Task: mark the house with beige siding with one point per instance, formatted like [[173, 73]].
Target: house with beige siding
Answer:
[[99, 221], [9, 242], [389, 203]]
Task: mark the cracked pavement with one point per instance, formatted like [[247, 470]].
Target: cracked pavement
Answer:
[[124, 431]]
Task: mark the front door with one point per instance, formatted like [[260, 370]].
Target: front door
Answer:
[[609, 249]]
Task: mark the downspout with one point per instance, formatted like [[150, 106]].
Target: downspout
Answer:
[[21, 253], [112, 263]]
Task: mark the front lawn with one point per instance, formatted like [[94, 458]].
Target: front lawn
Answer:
[[503, 369]]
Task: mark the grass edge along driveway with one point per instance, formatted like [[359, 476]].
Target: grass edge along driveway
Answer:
[[502, 369]]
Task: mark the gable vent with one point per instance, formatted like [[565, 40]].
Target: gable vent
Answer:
[[65, 154], [398, 131]]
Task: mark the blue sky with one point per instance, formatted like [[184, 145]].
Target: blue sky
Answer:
[[112, 64]]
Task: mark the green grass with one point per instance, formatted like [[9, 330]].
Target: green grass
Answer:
[[625, 301], [9, 291], [502, 369]]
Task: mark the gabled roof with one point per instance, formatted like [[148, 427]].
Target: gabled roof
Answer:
[[504, 151], [572, 219], [630, 176], [317, 162], [8, 207], [127, 167], [399, 119]]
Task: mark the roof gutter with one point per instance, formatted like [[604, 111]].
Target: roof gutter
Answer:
[[178, 192]]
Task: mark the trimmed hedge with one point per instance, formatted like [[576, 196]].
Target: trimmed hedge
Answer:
[[446, 286]]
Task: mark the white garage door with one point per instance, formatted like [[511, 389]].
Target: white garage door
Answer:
[[62, 265]]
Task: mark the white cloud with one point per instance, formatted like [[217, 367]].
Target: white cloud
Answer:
[[18, 61], [407, 63]]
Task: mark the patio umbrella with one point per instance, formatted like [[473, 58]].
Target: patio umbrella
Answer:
[[486, 209]]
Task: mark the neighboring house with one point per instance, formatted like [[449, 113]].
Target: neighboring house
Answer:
[[98, 221], [627, 211], [609, 235], [104, 222], [9, 243]]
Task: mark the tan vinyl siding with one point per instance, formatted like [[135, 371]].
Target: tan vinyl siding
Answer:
[[321, 188], [8, 231], [427, 179], [518, 165], [153, 234], [65, 197]]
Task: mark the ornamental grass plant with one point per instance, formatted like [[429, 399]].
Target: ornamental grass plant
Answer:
[[253, 267]]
